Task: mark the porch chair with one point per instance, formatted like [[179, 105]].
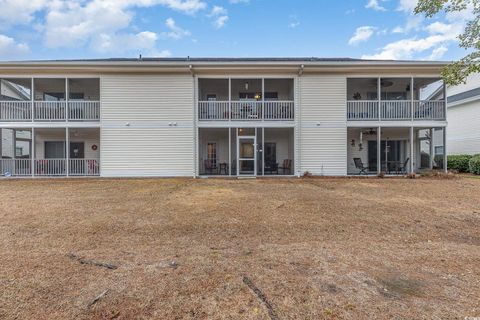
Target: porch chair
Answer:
[[271, 167], [359, 165], [403, 167], [287, 166], [210, 166]]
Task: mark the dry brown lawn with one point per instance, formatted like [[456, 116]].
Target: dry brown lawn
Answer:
[[313, 249]]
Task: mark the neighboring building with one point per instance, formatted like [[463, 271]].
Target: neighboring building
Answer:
[[229, 117], [464, 117]]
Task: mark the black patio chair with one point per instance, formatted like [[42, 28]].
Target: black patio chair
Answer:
[[403, 167], [359, 165]]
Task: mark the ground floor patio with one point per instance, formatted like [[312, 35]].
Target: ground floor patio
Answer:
[[50, 151], [246, 152], [395, 150]]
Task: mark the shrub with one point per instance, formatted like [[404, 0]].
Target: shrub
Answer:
[[474, 165], [459, 163]]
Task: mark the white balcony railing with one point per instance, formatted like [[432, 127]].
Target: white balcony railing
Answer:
[[246, 110], [49, 110], [362, 110], [213, 110], [279, 110], [429, 110], [50, 167], [83, 110], [395, 110], [15, 110], [84, 167], [16, 167]]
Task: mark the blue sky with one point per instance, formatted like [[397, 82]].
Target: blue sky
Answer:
[[378, 29]]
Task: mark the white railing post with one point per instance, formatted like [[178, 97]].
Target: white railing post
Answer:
[[229, 99], [412, 109], [67, 151], [32, 99], [33, 152], [66, 100], [263, 99], [379, 93]]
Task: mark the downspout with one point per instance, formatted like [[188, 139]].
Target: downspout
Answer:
[[298, 121], [195, 133]]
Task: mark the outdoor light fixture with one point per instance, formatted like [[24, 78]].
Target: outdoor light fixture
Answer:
[[246, 85]]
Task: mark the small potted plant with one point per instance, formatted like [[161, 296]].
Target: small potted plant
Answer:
[[357, 96]]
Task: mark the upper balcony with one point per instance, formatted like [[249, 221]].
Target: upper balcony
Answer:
[[395, 99], [246, 99], [53, 99]]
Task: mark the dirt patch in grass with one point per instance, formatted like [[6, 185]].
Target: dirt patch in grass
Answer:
[[311, 248]]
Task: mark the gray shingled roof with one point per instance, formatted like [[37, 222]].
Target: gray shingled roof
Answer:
[[225, 59]]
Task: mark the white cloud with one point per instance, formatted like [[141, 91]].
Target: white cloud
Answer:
[[220, 16], [436, 38], [375, 5], [412, 23], [217, 10], [361, 34], [294, 22], [220, 22], [175, 31], [437, 53], [106, 43], [11, 48], [77, 23], [16, 12], [407, 5]]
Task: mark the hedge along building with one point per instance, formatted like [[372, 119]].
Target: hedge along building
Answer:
[[228, 117]]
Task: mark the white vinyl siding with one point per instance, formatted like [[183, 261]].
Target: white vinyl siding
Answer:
[[147, 125], [463, 133], [323, 128]]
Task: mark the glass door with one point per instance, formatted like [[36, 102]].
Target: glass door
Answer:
[[247, 155]]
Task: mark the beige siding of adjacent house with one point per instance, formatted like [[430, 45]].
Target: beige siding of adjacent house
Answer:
[[322, 132], [147, 125]]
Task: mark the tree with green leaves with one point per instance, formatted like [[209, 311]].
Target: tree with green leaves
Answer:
[[458, 71]]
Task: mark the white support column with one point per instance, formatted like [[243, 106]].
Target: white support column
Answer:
[[32, 100], [229, 152], [431, 132], [445, 158], [379, 150], [411, 150], [33, 152], [379, 93], [229, 99], [66, 99], [263, 99], [67, 151], [263, 151], [411, 98], [237, 153]]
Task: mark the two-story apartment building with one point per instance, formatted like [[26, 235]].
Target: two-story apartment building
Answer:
[[220, 117]]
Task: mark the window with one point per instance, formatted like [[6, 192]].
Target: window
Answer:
[[212, 153], [439, 150], [54, 149]]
